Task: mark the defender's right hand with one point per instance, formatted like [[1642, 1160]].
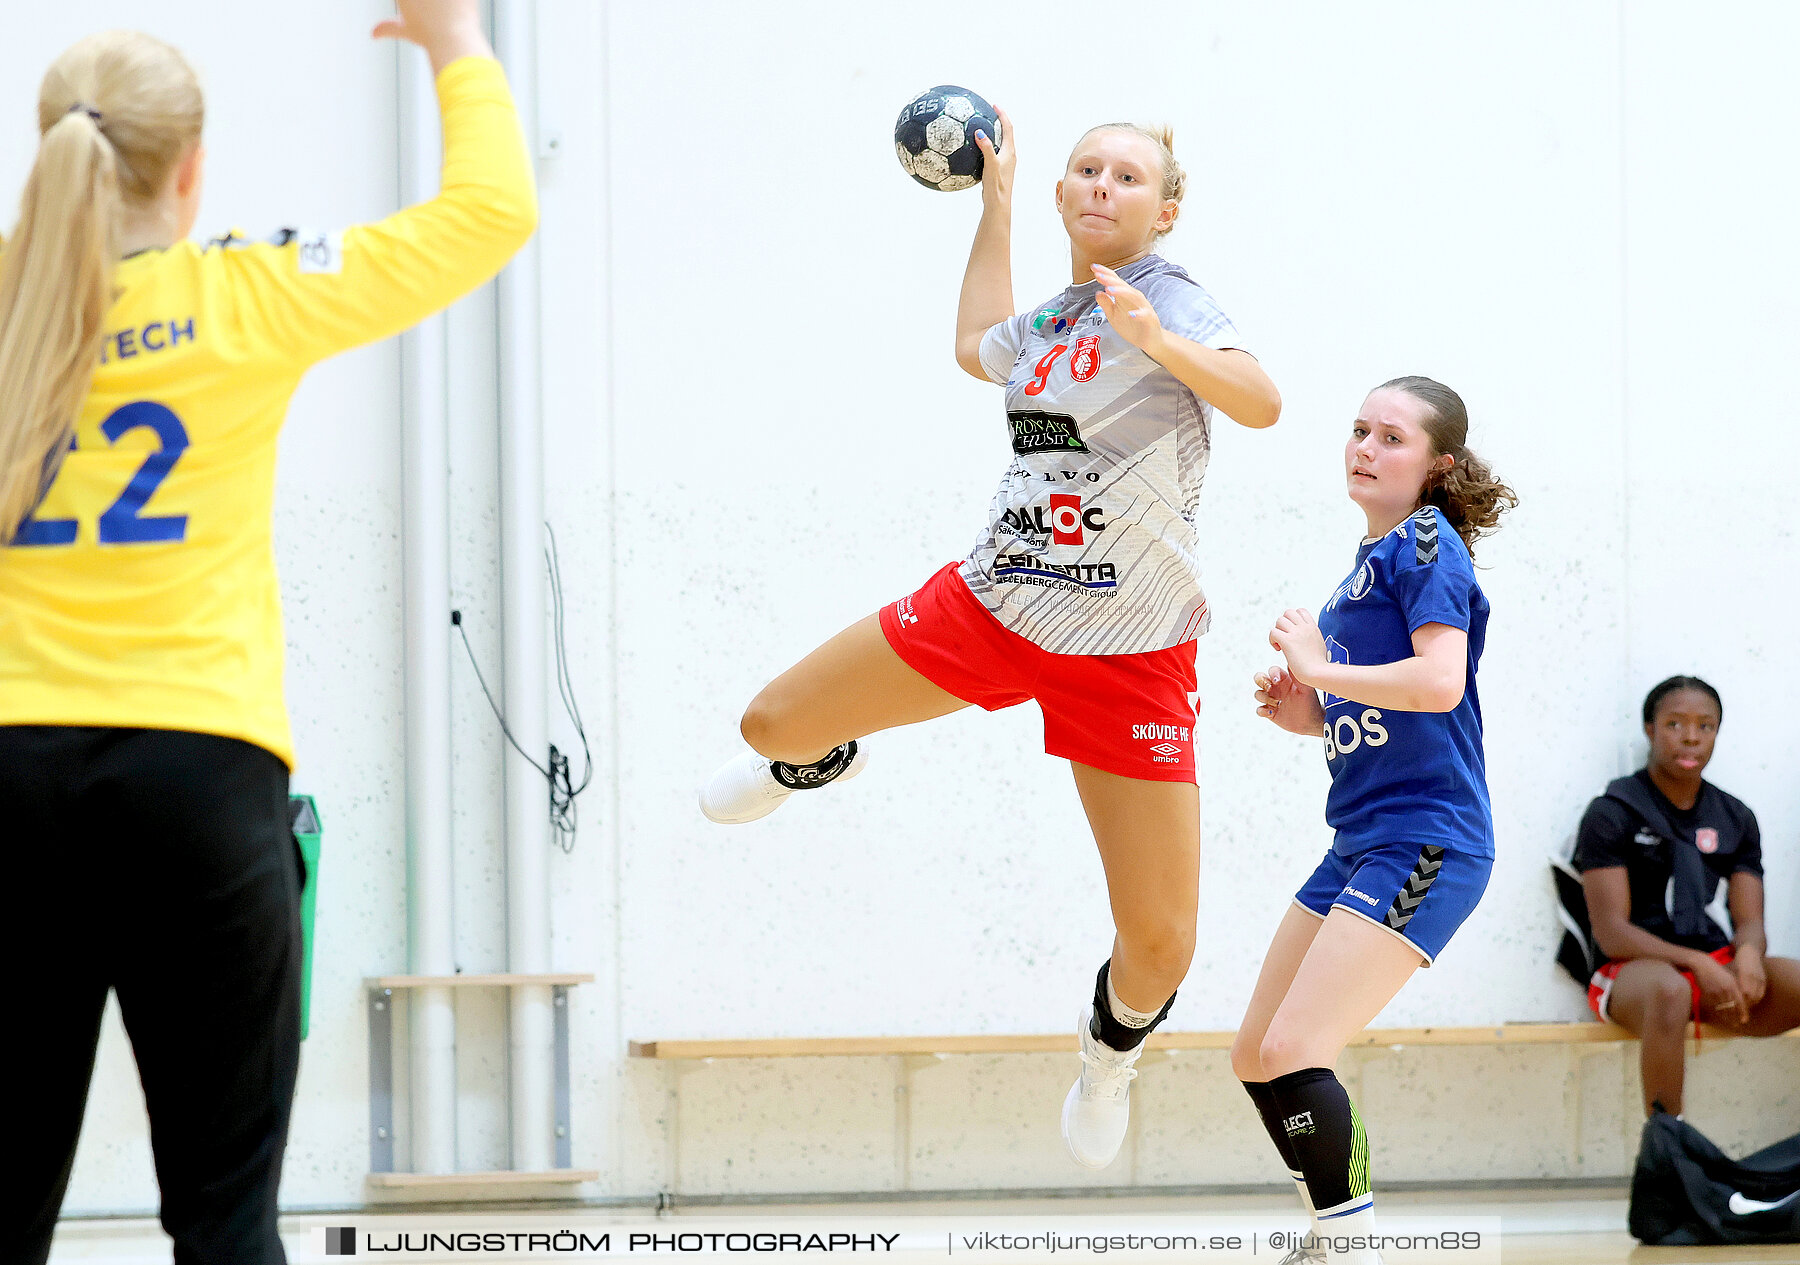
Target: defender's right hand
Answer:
[[1282, 698]]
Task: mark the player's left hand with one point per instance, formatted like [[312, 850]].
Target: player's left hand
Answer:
[[1301, 644], [1747, 965], [1128, 310]]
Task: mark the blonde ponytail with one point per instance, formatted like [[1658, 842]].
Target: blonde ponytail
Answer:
[[55, 287], [116, 113]]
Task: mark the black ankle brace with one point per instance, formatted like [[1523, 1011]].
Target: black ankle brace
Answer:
[[1108, 1030], [806, 777]]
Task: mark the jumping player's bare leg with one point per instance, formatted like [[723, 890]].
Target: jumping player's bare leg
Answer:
[[1149, 839], [852, 686], [803, 726], [1651, 1000]]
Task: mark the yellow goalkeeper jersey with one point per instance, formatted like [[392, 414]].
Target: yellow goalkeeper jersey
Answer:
[[141, 592]]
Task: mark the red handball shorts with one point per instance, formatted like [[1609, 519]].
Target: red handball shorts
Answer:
[[1600, 987], [1129, 714]]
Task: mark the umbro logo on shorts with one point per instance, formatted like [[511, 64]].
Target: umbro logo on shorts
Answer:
[[1166, 741]]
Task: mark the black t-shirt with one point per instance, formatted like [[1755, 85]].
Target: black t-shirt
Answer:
[[1634, 825]]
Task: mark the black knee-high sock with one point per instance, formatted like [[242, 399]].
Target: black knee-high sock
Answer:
[[1105, 1026], [1327, 1137], [1263, 1095]]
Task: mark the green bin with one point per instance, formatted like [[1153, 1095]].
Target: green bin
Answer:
[[303, 816]]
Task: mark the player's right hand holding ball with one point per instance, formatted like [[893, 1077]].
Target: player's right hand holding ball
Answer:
[[1282, 698], [997, 166]]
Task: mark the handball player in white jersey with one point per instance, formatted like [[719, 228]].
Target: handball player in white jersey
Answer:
[[1081, 590]]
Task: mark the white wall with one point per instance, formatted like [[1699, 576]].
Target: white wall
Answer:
[[757, 435]]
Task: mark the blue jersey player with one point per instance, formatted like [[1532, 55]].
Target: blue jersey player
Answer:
[[1387, 674]]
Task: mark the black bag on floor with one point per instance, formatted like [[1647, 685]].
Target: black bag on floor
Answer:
[[1686, 1190]]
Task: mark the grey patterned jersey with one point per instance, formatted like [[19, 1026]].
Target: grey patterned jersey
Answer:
[[1090, 545]]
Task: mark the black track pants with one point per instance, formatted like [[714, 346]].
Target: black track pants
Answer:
[[159, 864]]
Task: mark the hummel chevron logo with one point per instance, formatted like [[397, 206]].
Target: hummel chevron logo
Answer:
[[1426, 545], [1406, 902]]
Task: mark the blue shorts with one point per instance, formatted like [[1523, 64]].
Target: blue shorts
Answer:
[[1421, 893]]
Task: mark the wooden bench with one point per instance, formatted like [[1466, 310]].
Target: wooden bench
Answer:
[[1577, 1033]]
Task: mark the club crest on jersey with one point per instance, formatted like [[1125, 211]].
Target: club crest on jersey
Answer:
[[1354, 588], [1086, 361], [1035, 432], [1706, 839]]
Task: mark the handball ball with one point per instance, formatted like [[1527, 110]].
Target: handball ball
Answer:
[[935, 137]]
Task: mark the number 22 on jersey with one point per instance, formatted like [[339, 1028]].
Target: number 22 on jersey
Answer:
[[123, 522]]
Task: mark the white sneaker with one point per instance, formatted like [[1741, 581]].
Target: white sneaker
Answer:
[[746, 788], [1098, 1107]]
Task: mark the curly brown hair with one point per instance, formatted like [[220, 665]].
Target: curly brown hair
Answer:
[[1468, 493]]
